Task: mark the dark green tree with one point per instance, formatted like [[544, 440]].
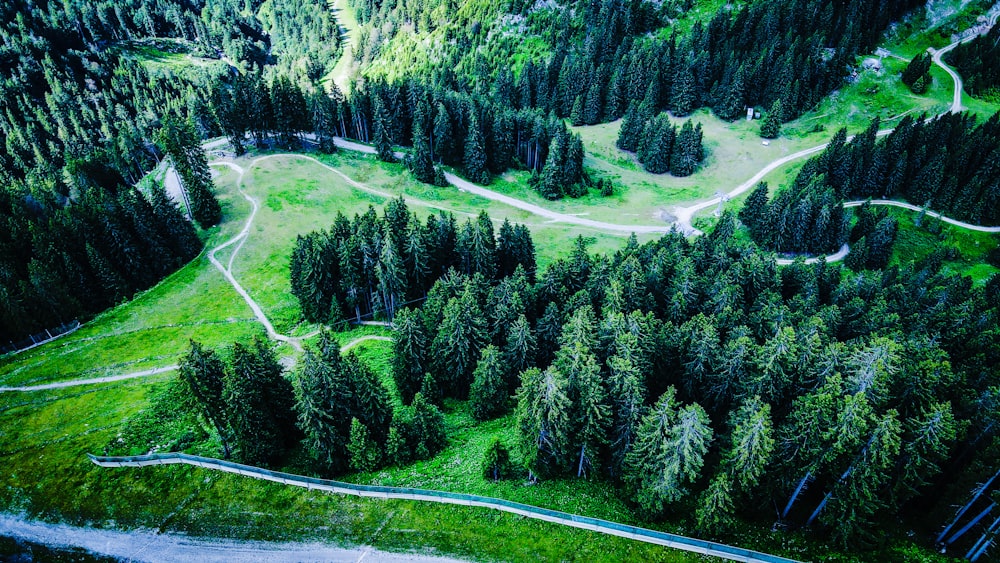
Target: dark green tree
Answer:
[[496, 462], [259, 401], [180, 141], [203, 375], [770, 126], [488, 395], [474, 158]]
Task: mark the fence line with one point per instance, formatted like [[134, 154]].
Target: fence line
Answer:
[[38, 339], [584, 522]]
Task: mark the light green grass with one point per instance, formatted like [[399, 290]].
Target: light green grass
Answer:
[[734, 153], [914, 243], [154, 328], [341, 72]]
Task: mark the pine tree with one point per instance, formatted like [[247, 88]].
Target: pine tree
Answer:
[[322, 401], [543, 420], [519, 351], [383, 132], [754, 211], [475, 151], [458, 344], [181, 142], [259, 401], [684, 94], [732, 104], [421, 164], [488, 396], [627, 395], [669, 452], [496, 462], [203, 375], [684, 156], [770, 126], [429, 424], [365, 453], [409, 358], [657, 145], [370, 401]]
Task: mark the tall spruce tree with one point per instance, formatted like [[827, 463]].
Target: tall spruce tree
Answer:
[[259, 402], [474, 158], [180, 141], [488, 396], [203, 375], [770, 126]]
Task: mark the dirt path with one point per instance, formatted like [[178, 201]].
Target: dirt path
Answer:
[[929, 213], [75, 382], [170, 548], [836, 257], [240, 238], [465, 185]]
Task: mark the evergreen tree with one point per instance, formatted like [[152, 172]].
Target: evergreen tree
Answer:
[[322, 401], [475, 151], [383, 132], [421, 164], [732, 104], [259, 401], [770, 126], [684, 94], [657, 145], [496, 462], [685, 155], [669, 452], [203, 375], [488, 396], [181, 142], [429, 423], [543, 420], [430, 389], [627, 394], [370, 401], [365, 452], [458, 344], [519, 351], [409, 358], [754, 212]]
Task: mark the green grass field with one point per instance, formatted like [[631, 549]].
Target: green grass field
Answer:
[[45, 435]]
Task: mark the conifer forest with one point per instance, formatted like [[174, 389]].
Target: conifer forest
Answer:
[[723, 271]]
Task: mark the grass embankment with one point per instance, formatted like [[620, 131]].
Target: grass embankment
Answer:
[[153, 329]]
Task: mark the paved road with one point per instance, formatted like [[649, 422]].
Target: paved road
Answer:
[[175, 548]]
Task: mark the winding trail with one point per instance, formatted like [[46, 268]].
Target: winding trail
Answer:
[[956, 98], [240, 238], [91, 381], [467, 186], [683, 214], [362, 339]]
